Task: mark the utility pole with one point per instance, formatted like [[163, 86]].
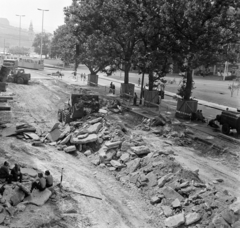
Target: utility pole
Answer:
[[42, 30], [20, 17]]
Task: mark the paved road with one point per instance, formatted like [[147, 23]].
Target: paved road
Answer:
[[206, 88]]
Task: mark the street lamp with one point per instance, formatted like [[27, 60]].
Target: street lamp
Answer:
[[42, 29], [20, 17]]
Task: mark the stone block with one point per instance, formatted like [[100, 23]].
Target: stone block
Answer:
[[134, 177], [95, 120], [176, 203], [88, 139], [116, 164], [38, 198], [167, 210], [17, 197], [126, 145], [140, 150], [133, 165], [218, 221], [70, 149], [152, 179], [235, 207], [175, 221], [229, 216], [94, 128], [83, 136], [192, 218], [102, 153], [163, 180], [87, 153], [110, 154], [155, 200], [111, 145], [2, 217], [171, 194], [236, 225], [125, 157]]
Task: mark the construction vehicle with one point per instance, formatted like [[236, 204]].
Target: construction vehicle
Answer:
[[19, 76], [229, 120], [78, 106]]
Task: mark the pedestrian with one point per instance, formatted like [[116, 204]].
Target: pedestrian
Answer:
[[135, 99], [81, 77], [49, 179], [16, 173], [4, 173], [74, 74], [139, 82], [39, 184], [113, 88], [110, 88], [84, 77]]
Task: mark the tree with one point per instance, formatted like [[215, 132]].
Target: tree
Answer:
[[46, 41], [91, 45], [63, 44], [19, 50], [197, 30]]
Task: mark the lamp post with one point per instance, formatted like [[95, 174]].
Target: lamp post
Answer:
[[42, 30], [20, 18]]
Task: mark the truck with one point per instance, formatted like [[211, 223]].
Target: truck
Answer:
[[19, 76], [229, 120]]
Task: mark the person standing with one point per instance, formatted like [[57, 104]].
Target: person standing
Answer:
[[84, 77], [4, 172], [139, 82], [135, 99], [113, 88]]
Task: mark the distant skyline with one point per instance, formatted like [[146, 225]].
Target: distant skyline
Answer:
[[52, 19]]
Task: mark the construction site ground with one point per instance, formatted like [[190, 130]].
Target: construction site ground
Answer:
[[122, 205]]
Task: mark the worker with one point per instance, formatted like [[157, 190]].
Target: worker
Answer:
[[135, 99], [49, 179], [39, 184], [16, 173], [4, 173]]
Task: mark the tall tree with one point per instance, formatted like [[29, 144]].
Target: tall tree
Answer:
[[198, 29], [19, 50], [46, 41]]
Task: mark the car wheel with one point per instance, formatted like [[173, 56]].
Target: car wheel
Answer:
[[225, 129]]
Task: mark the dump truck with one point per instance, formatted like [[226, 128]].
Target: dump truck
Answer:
[[19, 76], [78, 106], [229, 120]]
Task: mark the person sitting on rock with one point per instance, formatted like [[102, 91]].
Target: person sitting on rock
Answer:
[[16, 173], [49, 179], [40, 184], [4, 172]]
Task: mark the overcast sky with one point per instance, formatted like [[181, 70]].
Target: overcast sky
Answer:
[[52, 19]]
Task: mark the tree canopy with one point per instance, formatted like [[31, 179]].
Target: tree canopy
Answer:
[[46, 41]]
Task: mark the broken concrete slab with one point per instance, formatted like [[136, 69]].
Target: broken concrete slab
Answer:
[[171, 194], [32, 136], [94, 128], [17, 196], [152, 179], [134, 177], [125, 157], [102, 153], [38, 198], [163, 180], [90, 138], [155, 200], [133, 165], [2, 217], [126, 145], [83, 136], [167, 210], [116, 164], [87, 153], [111, 145], [54, 135], [9, 131], [192, 218], [65, 132], [70, 149], [176, 203], [140, 150], [28, 171], [235, 207], [95, 120], [175, 221], [66, 139]]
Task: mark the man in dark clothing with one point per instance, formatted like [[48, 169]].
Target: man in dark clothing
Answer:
[[49, 179], [40, 184], [4, 173], [16, 173], [113, 88]]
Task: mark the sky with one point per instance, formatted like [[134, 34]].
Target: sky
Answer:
[[52, 19]]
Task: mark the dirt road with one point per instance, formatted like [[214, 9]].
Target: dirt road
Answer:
[[120, 206]]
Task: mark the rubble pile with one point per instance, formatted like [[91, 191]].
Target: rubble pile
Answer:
[[15, 197]]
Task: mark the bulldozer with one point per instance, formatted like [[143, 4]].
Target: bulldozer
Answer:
[[19, 76], [78, 106]]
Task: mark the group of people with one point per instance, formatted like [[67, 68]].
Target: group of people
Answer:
[[14, 174], [112, 88], [83, 77]]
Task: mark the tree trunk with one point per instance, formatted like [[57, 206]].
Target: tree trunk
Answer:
[[150, 77], [126, 72], [188, 90]]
